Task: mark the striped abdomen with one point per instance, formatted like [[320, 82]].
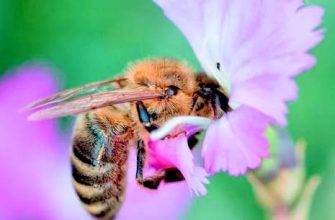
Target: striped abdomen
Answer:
[[99, 160]]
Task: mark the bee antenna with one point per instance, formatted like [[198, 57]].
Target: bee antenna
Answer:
[[218, 65]]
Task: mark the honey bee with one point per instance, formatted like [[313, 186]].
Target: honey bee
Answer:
[[117, 114]]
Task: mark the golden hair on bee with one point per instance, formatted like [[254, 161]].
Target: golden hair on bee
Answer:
[[117, 114], [166, 74]]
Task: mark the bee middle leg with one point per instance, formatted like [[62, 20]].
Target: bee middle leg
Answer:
[[152, 182]]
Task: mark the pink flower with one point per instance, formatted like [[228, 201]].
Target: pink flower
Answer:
[[175, 152], [35, 167], [260, 46]]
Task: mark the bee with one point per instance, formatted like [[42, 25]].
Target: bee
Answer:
[[117, 114]]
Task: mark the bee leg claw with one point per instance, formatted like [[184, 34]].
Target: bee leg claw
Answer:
[[152, 182], [167, 175], [173, 175]]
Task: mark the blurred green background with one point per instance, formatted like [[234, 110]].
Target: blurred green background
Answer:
[[94, 40]]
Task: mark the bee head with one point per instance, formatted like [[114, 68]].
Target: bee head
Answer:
[[175, 78]]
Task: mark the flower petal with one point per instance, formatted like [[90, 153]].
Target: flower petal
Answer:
[[266, 93], [175, 152], [251, 40], [236, 142]]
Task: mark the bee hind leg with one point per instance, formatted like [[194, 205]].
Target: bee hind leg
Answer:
[[152, 182]]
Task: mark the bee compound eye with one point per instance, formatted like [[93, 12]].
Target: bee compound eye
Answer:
[[171, 91], [154, 116]]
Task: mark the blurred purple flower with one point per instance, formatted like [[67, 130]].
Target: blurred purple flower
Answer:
[[35, 167], [253, 49], [35, 182]]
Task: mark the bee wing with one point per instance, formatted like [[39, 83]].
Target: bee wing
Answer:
[[93, 101], [77, 92]]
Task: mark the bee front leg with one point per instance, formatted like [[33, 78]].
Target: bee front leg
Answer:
[[144, 117], [152, 182], [167, 175]]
